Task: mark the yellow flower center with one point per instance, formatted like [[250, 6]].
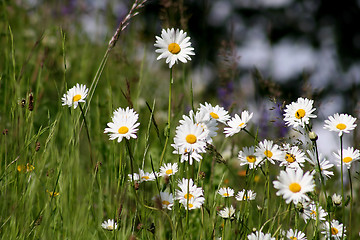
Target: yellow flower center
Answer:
[[334, 231], [241, 124], [123, 130], [290, 157], [169, 171], [188, 196], [347, 159], [190, 205], [225, 194], [313, 212], [76, 98], [145, 177], [295, 187], [191, 138], [165, 202], [293, 238], [214, 115], [174, 48], [341, 126], [251, 158], [268, 153], [300, 113]]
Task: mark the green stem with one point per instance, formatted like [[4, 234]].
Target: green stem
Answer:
[[342, 185], [87, 133], [167, 130], [351, 204]]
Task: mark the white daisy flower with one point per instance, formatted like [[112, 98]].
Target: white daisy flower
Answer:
[[168, 169], [336, 199], [342, 123], [110, 225], [295, 235], [75, 95], [226, 192], [188, 191], [237, 123], [293, 185], [334, 230], [193, 203], [208, 125], [173, 46], [312, 211], [190, 195], [189, 138], [260, 236], [243, 195], [166, 200], [267, 149], [294, 158], [325, 165], [123, 124], [247, 157], [134, 176], [299, 113], [227, 212], [218, 113], [146, 176], [349, 155]]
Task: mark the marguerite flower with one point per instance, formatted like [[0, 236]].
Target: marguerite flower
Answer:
[[168, 169], [349, 155], [293, 185], [227, 212], [325, 165], [189, 138], [173, 46], [237, 123], [189, 193], [247, 157], [75, 95], [146, 176], [123, 124], [295, 235], [267, 149], [134, 176], [260, 236], [294, 158], [313, 211], [110, 225], [334, 230], [218, 113], [342, 123], [193, 203], [245, 195], [226, 192], [165, 199], [299, 113]]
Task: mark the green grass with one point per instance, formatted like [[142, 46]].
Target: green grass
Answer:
[[92, 180]]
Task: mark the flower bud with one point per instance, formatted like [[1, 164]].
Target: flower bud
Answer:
[[313, 136]]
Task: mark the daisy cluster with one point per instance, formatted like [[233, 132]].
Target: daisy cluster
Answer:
[[197, 130]]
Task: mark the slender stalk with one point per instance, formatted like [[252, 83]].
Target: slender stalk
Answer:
[[351, 204], [342, 186], [167, 130], [87, 133]]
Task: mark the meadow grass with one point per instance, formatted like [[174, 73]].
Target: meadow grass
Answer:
[[56, 184]]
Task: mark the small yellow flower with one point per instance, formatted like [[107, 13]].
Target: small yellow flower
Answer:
[[52, 194]]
